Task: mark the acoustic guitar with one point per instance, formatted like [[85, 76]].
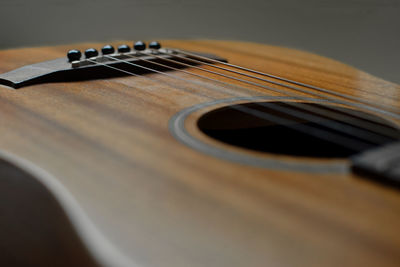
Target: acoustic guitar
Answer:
[[195, 153]]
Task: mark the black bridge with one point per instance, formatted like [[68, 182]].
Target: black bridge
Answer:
[[94, 66]]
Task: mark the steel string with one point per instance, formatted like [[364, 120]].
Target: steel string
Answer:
[[362, 124], [344, 141], [285, 80]]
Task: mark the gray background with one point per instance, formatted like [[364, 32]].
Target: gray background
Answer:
[[362, 33]]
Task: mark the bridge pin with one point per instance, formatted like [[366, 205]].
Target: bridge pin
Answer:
[[154, 45], [107, 49], [74, 55], [124, 48], [139, 46], [91, 52]]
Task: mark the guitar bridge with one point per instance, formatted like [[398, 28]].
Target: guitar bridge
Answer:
[[99, 67]]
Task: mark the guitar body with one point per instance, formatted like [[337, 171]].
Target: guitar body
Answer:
[[104, 168]]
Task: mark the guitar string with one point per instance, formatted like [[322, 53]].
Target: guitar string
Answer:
[[305, 92], [283, 79], [385, 131], [360, 133], [346, 142], [335, 125], [343, 141]]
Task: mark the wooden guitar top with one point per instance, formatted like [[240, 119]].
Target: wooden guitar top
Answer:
[[127, 192]]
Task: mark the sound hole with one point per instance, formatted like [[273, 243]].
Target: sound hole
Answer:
[[235, 125]]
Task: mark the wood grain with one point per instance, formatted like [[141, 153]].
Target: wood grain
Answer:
[[161, 203]]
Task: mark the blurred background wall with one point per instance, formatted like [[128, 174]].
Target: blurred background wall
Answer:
[[362, 33]]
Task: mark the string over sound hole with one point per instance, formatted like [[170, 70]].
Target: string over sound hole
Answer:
[[285, 129]]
